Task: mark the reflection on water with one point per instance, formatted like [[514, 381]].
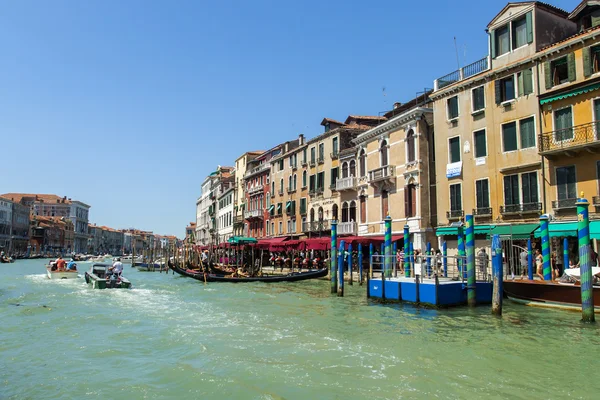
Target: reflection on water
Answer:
[[172, 337]]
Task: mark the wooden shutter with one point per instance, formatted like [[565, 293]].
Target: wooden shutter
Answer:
[[548, 75], [587, 62], [498, 90], [413, 200], [363, 210], [528, 81], [384, 203], [406, 202], [529, 21], [493, 44], [571, 66], [520, 83]]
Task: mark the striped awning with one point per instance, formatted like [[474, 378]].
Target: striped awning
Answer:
[[571, 93]]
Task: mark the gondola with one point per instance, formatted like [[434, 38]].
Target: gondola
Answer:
[[293, 277]]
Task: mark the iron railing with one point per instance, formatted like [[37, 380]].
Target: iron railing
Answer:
[[334, 155], [564, 204], [482, 212], [463, 73], [321, 159], [312, 163], [520, 208], [455, 214], [564, 139]]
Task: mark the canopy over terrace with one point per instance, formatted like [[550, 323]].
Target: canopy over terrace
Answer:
[[273, 244], [241, 240]]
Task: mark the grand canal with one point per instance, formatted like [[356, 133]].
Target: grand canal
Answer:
[[172, 337]]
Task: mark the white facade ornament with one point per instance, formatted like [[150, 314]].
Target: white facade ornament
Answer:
[[467, 147]]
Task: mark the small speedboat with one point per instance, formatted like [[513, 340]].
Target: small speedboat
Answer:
[[64, 274], [129, 259], [100, 277], [142, 266], [99, 259]]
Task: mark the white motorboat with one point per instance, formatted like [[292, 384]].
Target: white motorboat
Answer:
[[69, 274], [128, 259], [99, 259]]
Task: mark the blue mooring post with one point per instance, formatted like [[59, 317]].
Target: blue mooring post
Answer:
[[462, 265], [406, 252], [333, 257], [544, 229], [585, 260], [340, 291], [565, 254], [471, 277], [350, 264], [445, 258], [529, 261], [387, 260], [411, 251], [497, 274], [360, 265], [428, 259], [394, 261]]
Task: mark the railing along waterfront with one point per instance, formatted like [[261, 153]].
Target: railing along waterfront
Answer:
[[463, 73], [520, 208], [348, 183], [564, 204], [564, 139]]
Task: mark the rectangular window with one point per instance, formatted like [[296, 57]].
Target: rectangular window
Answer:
[[455, 197], [525, 82], [304, 158], [509, 136], [560, 71], [502, 40], [478, 98], [529, 188], [321, 152], [320, 181], [480, 143], [511, 190], [334, 146], [303, 206], [334, 176], [482, 193], [311, 185], [519, 32], [280, 227], [452, 104], [595, 58], [527, 132], [565, 183], [563, 124], [281, 164], [505, 89], [313, 156], [454, 147]]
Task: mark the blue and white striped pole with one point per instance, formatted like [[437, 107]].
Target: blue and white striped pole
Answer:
[[529, 261], [340, 290], [429, 259], [350, 263], [445, 258], [360, 264], [585, 260]]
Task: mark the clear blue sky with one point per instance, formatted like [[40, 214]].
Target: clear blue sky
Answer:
[[128, 105]]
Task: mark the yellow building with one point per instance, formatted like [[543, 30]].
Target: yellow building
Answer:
[[487, 121], [570, 109], [396, 174]]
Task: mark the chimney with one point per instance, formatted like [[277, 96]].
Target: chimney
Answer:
[[300, 139], [397, 104], [286, 147]]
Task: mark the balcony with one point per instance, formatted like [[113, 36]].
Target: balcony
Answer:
[[382, 174], [526, 208], [332, 186], [321, 159], [280, 192], [312, 163], [291, 190], [564, 204], [462, 74], [253, 214], [569, 141], [294, 166], [347, 228], [304, 163], [316, 192], [334, 155], [455, 214], [316, 226], [257, 170], [596, 201], [482, 212], [345, 183], [255, 189]]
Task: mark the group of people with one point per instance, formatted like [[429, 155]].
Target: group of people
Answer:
[[554, 265], [61, 265]]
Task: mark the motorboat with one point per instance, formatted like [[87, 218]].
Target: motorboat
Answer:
[[100, 277]]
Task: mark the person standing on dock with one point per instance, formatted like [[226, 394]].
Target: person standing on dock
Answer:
[[539, 264], [483, 260], [523, 261]]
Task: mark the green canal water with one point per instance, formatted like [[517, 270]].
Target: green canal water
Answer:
[[176, 338]]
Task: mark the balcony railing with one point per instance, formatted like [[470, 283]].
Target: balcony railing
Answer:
[[334, 155], [321, 159], [382, 173], [520, 208], [312, 163], [332, 186], [291, 189], [482, 212], [347, 228], [455, 214], [256, 170], [255, 189], [345, 183], [304, 163], [253, 214], [463, 73], [564, 204], [569, 138], [596, 201], [315, 226], [280, 192]]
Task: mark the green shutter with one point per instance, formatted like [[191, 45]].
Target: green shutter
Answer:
[[548, 75], [528, 81], [587, 62], [498, 90], [529, 20], [571, 66], [520, 83], [493, 44]]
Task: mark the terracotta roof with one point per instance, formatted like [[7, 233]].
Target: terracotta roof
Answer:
[[329, 120], [357, 126], [571, 37], [46, 198], [365, 118]]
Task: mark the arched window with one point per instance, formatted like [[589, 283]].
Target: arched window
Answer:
[[290, 182], [410, 146], [352, 168], [334, 212], [320, 213], [303, 179], [344, 212], [281, 185], [312, 215], [352, 214], [294, 182], [383, 152], [273, 188], [362, 163], [345, 170]]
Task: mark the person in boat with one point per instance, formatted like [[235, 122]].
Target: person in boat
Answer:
[[71, 266], [539, 264], [116, 269], [60, 264]]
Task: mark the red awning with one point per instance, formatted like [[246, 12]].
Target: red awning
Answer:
[[269, 244], [365, 240], [318, 243]]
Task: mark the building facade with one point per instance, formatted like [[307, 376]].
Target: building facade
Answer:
[[239, 226], [79, 215], [5, 224], [20, 229], [225, 213]]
